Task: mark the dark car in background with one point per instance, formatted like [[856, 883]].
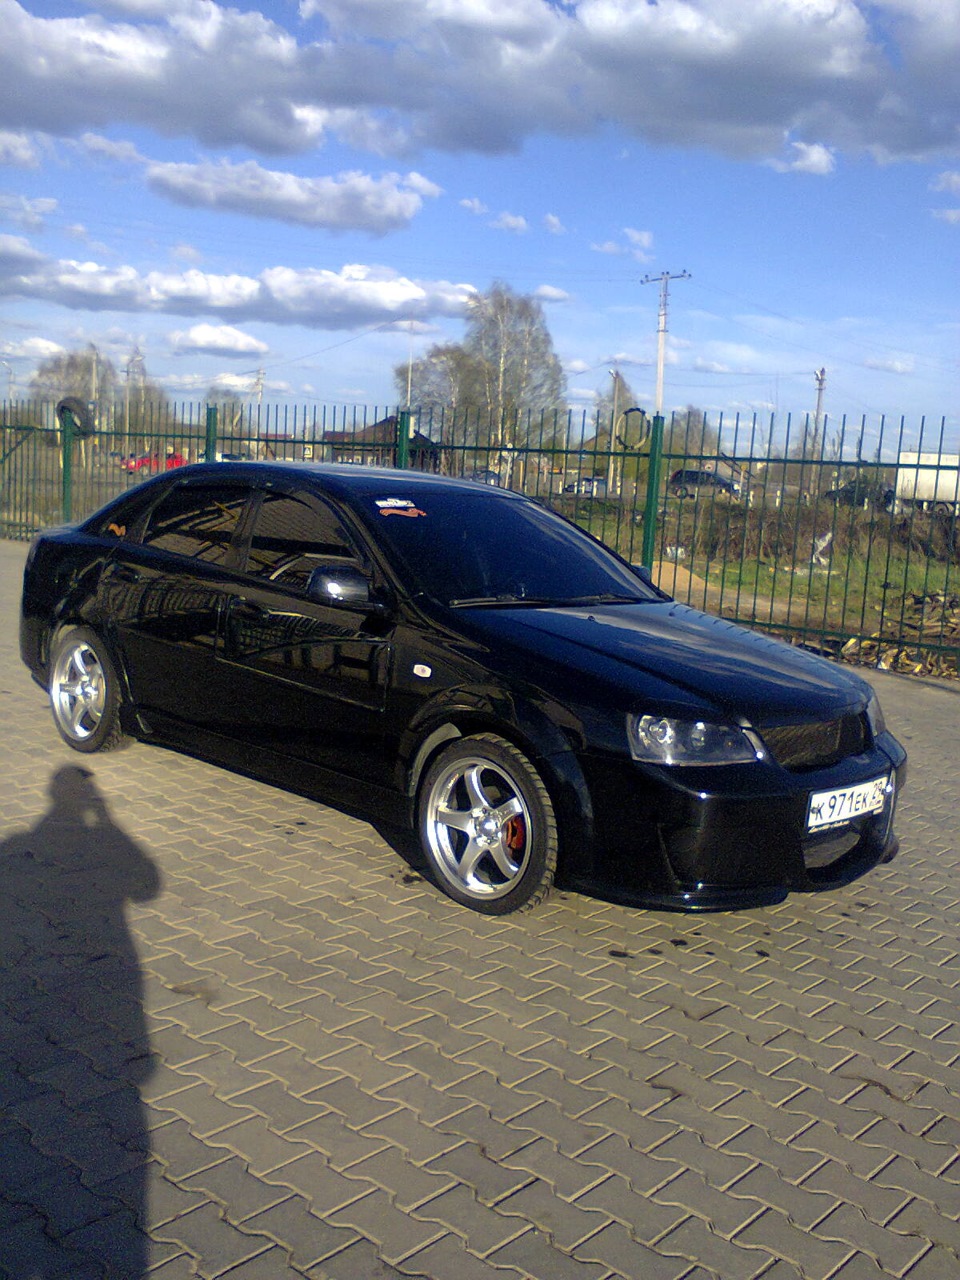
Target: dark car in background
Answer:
[[862, 491], [458, 660], [588, 486], [688, 482]]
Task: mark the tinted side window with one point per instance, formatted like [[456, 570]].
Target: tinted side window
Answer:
[[292, 533], [120, 519], [197, 521]]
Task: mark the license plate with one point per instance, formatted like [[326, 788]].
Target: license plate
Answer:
[[834, 808]]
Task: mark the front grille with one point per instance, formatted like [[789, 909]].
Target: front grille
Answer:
[[817, 745]]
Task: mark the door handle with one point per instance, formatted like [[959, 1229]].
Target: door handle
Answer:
[[246, 609], [122, 573]]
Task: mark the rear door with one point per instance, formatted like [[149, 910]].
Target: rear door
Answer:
[[165, 593]]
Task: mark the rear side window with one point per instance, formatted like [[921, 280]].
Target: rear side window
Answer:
[[198, 521], [292, 534]]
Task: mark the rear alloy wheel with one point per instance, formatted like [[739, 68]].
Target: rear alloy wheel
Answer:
[[85, 692], [487, 826]]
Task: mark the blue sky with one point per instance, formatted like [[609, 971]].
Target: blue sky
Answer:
[[314, 190]]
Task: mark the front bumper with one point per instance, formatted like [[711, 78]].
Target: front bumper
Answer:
[[723, 839]]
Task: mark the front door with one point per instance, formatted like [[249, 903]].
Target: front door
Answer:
[[307, 679]]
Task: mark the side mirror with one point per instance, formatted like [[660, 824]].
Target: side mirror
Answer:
[[343, 585]]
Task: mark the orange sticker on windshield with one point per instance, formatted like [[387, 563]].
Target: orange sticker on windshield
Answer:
[[398, 507]]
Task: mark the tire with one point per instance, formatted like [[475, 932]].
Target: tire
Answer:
[[85, 692], [83, 423], [487, 826]]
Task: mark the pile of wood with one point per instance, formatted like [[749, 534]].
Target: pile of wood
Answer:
[[920, 636]]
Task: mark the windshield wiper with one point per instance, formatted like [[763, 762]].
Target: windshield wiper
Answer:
[[482, 602], [607, 598], [506, 600]]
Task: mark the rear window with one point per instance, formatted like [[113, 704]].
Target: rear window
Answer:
[[198, 521]]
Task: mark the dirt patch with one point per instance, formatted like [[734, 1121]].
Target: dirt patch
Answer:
[[691, 589], [684, 585]]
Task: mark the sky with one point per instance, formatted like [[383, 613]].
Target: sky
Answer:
[[292, 199]]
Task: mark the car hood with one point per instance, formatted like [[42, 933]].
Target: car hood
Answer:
[[644, 647]]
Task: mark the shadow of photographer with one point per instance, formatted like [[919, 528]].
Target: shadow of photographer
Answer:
[[74, 1047]]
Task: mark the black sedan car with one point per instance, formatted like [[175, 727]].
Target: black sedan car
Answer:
[[456, 659]]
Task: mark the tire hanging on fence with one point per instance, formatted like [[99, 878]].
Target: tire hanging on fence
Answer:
[[83, 423]]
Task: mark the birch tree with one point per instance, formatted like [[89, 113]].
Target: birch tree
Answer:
[[504, 377]]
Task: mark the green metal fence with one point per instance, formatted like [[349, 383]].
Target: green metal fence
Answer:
[[842, 536]]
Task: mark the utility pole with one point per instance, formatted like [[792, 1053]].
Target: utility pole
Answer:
[[821, 377], [665, 277], [656, 432]]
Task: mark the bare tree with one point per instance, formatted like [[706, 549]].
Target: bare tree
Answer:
[[505, 376], [85, 374]]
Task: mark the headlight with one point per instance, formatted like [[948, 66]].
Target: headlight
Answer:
[[875, 716], [663, 740]]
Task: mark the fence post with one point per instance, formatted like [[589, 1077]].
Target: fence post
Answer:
[[402, 451], [652, 507], [67, 433], [210, 442]]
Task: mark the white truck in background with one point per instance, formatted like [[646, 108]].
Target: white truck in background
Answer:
[[928, 482]]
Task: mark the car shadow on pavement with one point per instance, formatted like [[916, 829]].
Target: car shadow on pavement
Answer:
[[74, 1047]]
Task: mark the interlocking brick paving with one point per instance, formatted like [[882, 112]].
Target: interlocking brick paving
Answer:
[[241, 1037]]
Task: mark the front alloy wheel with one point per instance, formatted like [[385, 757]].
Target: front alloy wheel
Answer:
[[84, 692], [487, 826]]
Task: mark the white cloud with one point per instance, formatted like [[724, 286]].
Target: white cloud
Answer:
[[807, 157], [26, 213], [356, 295], [94, 144], [351, 201], [18, 150], [32, 349], [903, 364], [514, 222], [18, 255], [218, 340], [553, 224], [550, 293], [640, 242], [483, 75], [637, 243], [242, 384], [474, 206], [948, 182], [185, 253], [583, 396]]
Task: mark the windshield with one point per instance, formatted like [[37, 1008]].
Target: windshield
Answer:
[[483, 548]]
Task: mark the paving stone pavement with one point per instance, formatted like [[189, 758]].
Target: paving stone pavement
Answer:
[[240, 1037]]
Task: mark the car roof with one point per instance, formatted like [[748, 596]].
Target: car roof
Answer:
[[339, 478]]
